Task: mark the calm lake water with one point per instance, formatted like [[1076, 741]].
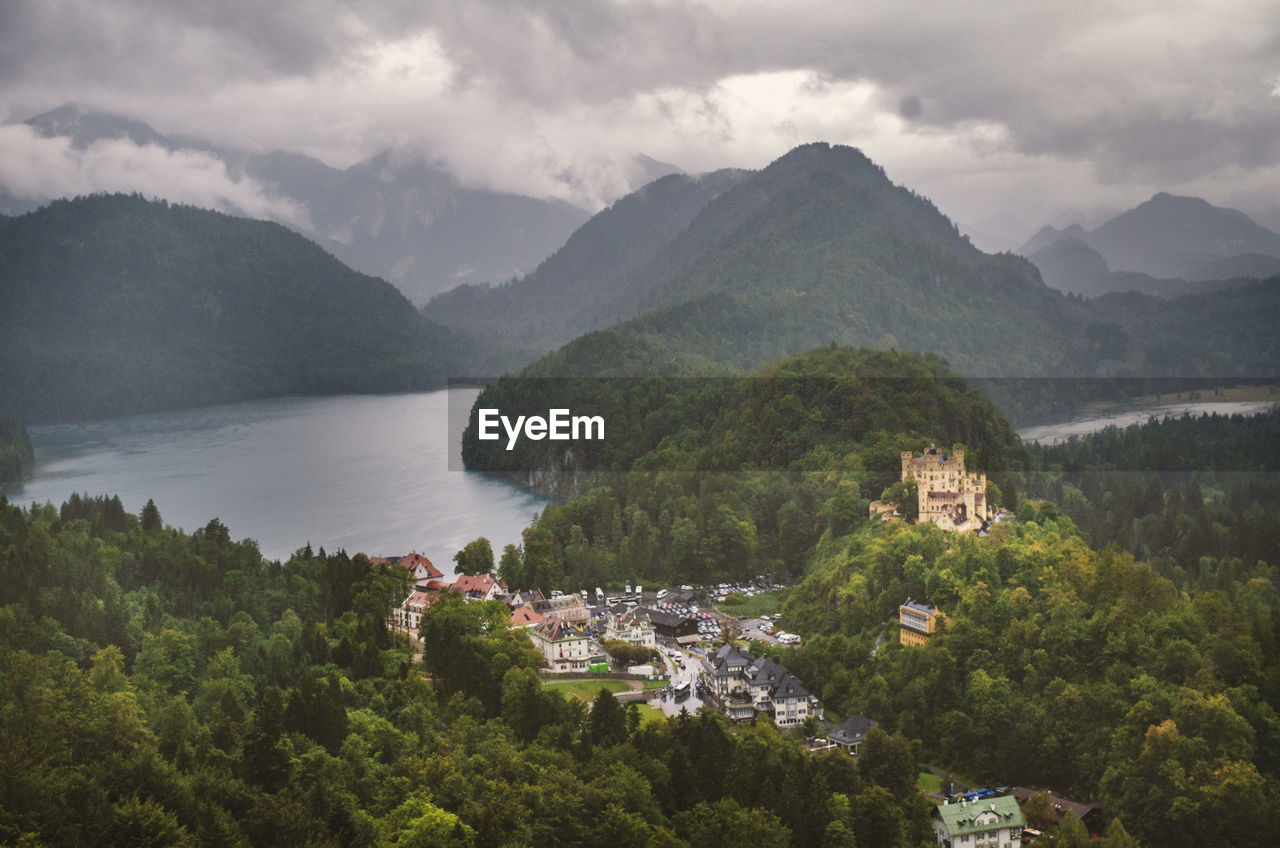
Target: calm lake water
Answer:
[[1051, 434], [360, 472], [365, 473]]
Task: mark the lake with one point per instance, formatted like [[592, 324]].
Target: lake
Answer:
[[362, 472], [372, 473], [1089, 422]]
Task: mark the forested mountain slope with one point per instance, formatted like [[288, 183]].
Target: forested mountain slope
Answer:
[[114, 304]]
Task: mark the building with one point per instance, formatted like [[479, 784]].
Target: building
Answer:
[[668, 625], [564, 646], [789, 702], [479, 587], [948, 495], [408, 615], [990, 823], [630, 625], [570, 607], [725, 671], [917, 622], [852, 733], [420, 569], [745, 686]]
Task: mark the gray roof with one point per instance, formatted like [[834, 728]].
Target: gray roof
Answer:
[[853, 730], [790, 687]]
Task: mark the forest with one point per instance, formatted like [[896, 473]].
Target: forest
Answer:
[[1113, 637], [114, 305], [160, 688], [16, 456]]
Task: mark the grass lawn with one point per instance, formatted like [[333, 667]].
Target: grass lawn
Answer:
[[648, 713], [765, 603], [927, 781], [654, 684], [586, 690]]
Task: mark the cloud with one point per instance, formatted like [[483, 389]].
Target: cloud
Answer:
[[37, 168], [554, 97]]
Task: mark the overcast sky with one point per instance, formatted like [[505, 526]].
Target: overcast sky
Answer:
[[1018, 106]]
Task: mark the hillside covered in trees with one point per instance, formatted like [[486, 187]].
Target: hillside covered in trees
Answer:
[[159, 688], [113, 304], [706, 480]]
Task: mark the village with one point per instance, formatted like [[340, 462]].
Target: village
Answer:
[[678, 650]]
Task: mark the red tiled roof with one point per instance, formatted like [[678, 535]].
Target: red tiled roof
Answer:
[[479, 583], [525, 616], [413, 560]]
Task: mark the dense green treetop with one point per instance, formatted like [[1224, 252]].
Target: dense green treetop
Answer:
[[160, 688], [16, 456]]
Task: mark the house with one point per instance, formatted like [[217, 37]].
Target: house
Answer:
[[746, 686], [790, 702], [631, 625], [1090, 814], [408, 615], [668, 625], [989, 823], [852, 733], [419, 568], [917, 622], [564, 646], [479, 587], [532, 597], [948, 495], [725, 671]]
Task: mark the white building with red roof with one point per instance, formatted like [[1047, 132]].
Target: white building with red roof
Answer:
[[420, 569], [479, 587]]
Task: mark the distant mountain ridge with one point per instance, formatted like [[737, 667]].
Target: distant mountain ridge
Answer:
[[821, 248], [394, 216], [113, 304], [1163, 246], [817, 247]]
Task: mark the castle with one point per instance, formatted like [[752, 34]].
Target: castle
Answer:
[[949, 497]]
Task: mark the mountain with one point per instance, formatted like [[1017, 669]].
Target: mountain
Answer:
[[1173, 241], [596, 279], [818, 247], [396, 215], [112, 304]]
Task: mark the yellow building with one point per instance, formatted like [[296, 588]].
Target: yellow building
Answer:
[[917, 622], [949, 496]]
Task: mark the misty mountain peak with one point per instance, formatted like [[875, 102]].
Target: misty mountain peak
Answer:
[[84, 126]]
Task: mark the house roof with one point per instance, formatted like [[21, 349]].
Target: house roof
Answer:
[[729, 661], [468, 583], [790, 687], [1023, 794], [766, 672], [525, 596], [961, 817], [666, 619], [853, 730], [525, 616], [411, 562], [923, 609], [419, 599], [556, 629]]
